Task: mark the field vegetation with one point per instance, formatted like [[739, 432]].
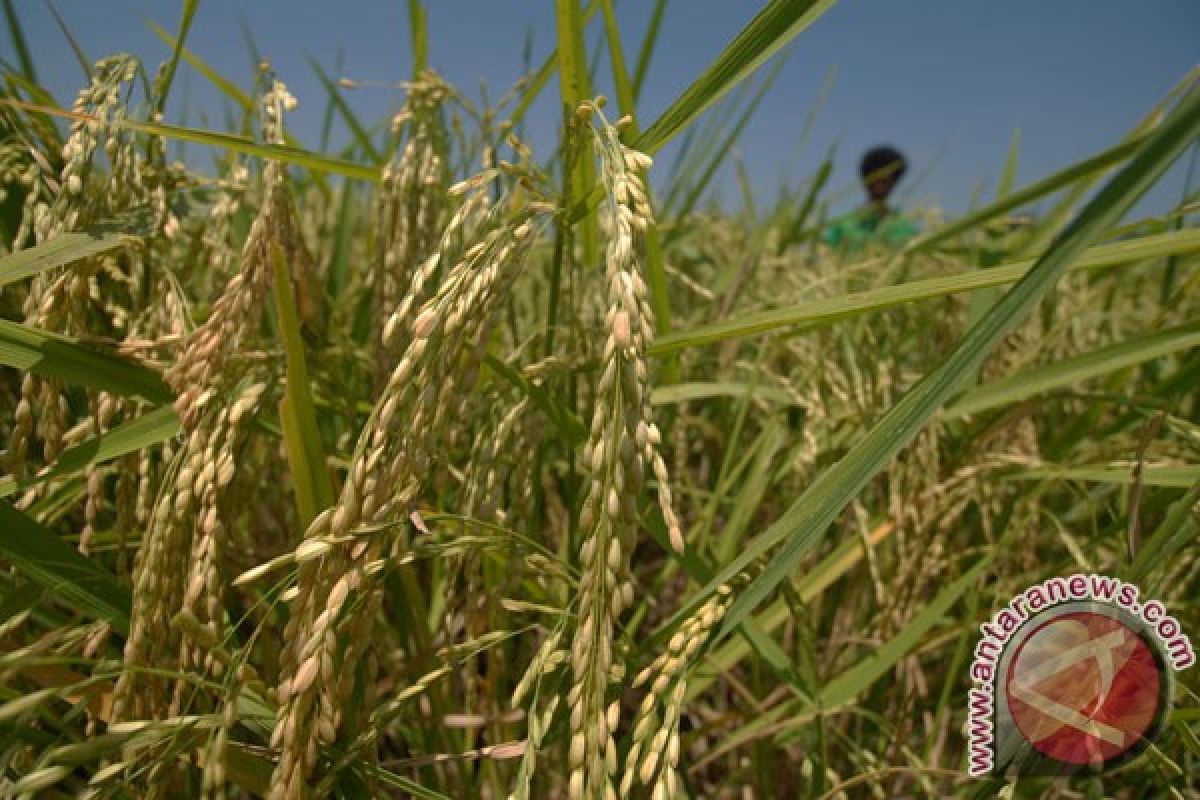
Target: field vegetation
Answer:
[[441, 468]]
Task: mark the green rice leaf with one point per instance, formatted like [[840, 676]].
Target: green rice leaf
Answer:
[[1076, 370], [306, 455], [287, 154], [356, 127], [60, 569], [150, 428], [19, 42], [168, 77], [418, 27], [777, 24], [226, 86], [819, 313], [682, 392], [861, 676], [61, 357], [647, 49], [1176, 477], [73, 246]]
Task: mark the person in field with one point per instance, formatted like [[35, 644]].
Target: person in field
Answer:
[[877, 222]]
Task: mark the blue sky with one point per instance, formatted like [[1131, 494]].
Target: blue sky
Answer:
[[945, 80]]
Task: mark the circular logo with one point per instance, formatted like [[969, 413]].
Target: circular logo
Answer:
[[1085, 689]]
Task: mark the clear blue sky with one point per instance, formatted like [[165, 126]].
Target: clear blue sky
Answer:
[[945, 80]]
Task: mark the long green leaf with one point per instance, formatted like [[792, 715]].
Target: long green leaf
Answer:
[[1177, 531], [59, 568], [564, 420], [60, 357], [542, 76], [168, 77], [306, 456], [817, 313], [238, 144], [626, 102], [802, 525], [226, 86], [1174, 477], [682, 392], [85, 63], [73, 246], [356, 127], [771, 29], [721, 151], [849, 684], [129, 437], [20, 44], [647, 48], [823, 575], [575, 88], [1023, 197], [418, 28], [1073, 371]]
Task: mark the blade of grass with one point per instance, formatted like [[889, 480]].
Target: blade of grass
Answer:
[[829, 571], [352, 121], [1177, 530], [418, 28], [59, 568], [85, 63], [853, 681], [818, 313], [60, 357], [238, 144], [566, 422], [1174, 477], [647, 49], [225, 85], [306, 456], [575, 88], [1008, 175], [795, 230], [1073, 371], [626, 102], [721, 153], [67, 248], [19, 43], [128, 437], [682, 392], [772, 28], [168, 76]]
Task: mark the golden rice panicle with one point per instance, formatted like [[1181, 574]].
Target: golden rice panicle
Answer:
[[409, 211], [630, 319], [653, 755], [337, 594], [62, 300], [205, 366], [622, 441], [204, 465], [205, 585]]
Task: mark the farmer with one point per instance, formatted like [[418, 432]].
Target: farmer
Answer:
[[881, 169]]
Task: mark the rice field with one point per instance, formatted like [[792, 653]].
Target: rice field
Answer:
[[444, 468]]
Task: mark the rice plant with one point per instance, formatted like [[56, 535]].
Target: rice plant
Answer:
[[443, 468]]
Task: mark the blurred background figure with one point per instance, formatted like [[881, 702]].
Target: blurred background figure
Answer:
[[881, 169]]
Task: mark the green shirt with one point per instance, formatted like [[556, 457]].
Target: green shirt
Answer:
[[864, 226]]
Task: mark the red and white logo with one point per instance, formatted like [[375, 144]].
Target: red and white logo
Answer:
[[1075, 673], [1083, 688]]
